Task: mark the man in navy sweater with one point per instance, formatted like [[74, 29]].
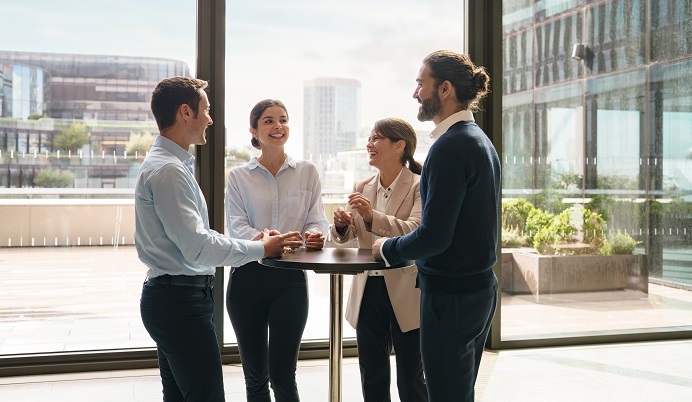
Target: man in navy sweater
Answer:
[[455, 246]]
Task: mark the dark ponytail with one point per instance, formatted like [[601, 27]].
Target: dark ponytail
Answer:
[[414, 166]]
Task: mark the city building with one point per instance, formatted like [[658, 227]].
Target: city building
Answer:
[[331, 118], [45, 94]]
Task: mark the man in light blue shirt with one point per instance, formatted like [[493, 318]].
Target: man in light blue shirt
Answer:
[[174, 240]]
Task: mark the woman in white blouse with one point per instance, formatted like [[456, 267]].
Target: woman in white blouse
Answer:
[[268, 307], [384, 306]]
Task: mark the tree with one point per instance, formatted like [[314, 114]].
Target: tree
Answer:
[[54, 178], [235, 154], [72, 138], [140, 143]]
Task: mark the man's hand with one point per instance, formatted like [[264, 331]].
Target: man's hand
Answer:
[[275, 244], [377, 248], [268, 232], [314, 240]]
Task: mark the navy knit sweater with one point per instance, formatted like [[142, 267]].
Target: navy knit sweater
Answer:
[[455, 245]]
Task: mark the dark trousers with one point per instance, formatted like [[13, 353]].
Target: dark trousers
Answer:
[[454, 328], [268, 308], [377, 331], [180, 320]]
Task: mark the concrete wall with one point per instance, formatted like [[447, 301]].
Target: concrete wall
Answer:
[[72, 223], [55, 222]]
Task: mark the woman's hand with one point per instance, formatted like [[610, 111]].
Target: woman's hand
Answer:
[[342, 219], [314, 240], [362, 205]]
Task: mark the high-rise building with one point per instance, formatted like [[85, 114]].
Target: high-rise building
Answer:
[[332, 118]]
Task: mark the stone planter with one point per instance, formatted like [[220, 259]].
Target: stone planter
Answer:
[[525, 272]]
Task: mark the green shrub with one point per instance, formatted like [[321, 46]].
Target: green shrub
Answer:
[[536, 221], [619, 243], [72, 138], [512, 237], [54, 178], [594, 229], [559, 229], [515, 211]]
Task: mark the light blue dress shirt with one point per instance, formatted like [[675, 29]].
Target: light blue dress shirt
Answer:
[[291, 200], [172, 233]]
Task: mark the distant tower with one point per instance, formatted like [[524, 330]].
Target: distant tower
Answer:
[[332, 118]]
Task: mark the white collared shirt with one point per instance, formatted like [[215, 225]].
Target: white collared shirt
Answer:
[[380, 205], [463, 115], [290, 200]]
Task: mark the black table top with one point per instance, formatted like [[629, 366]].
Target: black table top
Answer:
[[348, 261]]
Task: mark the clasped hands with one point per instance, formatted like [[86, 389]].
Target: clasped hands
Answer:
[[275, 243]]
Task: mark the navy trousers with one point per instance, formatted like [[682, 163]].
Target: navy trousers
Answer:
[[268, 308], [453, 331], [180, 320]]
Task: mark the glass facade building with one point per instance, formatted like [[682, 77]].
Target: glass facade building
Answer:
[[45, 94], [597, 115]]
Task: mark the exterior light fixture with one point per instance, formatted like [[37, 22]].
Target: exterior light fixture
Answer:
[[579, 51]]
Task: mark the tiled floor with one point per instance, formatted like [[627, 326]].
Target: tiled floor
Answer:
[[645, 372]]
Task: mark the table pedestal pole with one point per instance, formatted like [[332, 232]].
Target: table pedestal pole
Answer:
[[336, 290]]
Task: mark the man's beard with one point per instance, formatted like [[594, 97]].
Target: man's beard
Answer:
[[430, 107]]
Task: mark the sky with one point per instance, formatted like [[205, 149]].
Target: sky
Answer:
[[271, 47]]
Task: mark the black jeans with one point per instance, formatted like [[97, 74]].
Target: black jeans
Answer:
[[268, 308], [180, 320], [377, 331]]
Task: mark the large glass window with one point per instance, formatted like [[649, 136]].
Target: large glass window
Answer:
[[338, 67], [73, 136], [596, 184]]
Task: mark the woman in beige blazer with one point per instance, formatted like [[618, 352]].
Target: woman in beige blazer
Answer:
[[384, 306]]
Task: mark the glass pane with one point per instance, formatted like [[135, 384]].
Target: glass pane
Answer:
[[597, 235], [338, 70], [74, 127]]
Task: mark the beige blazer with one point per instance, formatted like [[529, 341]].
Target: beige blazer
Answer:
[[402, 216]]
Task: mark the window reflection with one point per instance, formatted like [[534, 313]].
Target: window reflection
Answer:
[[602, 154]]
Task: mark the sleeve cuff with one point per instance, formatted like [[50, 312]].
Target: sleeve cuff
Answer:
[[386, 263], [255, 250]]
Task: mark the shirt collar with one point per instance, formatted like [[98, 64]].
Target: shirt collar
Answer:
[[290, 162], [463, 115], [175, 149], [391, 186]]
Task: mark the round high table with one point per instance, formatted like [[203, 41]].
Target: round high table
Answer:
[[335, 262]]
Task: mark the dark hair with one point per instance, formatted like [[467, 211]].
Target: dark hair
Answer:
[[397, 129], [172, 92], [471, 83], [256, 113]]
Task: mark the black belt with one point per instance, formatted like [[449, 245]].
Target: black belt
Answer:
[[198, 281]]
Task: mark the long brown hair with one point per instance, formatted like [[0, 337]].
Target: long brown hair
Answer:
[[471, 82]]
